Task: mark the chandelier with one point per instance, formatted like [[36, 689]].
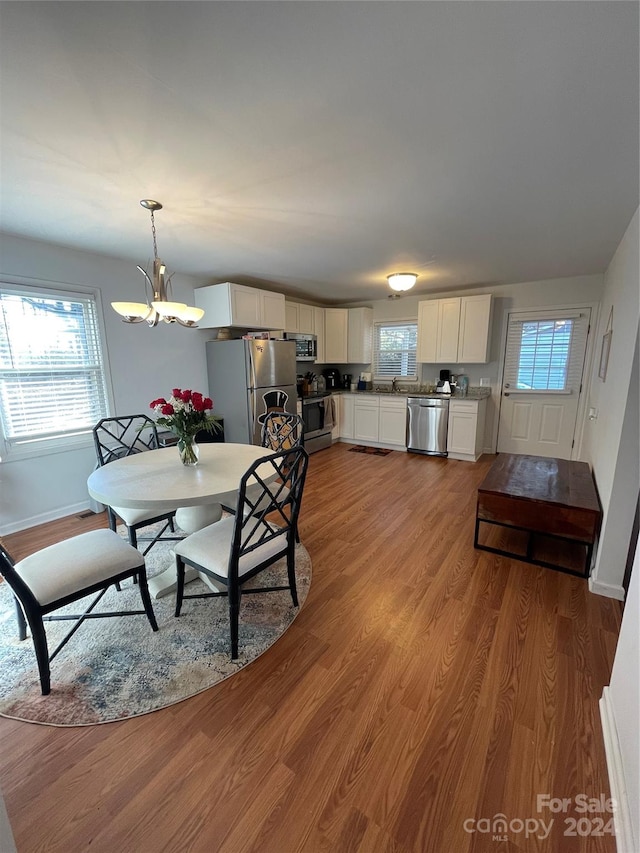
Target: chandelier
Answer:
[[400, 281], [159, 307]]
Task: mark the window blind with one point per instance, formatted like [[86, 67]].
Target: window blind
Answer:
[[51, 370], [394, 349], [545, 352]]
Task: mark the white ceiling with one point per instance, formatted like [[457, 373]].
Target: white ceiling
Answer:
[[316, 147]]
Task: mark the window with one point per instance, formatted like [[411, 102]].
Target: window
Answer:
[[394, 349], [52, 383], [544, 355]]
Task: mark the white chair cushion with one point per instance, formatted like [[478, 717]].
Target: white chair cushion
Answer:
[[67, 567], [135, 516], [193, 518], [211, 547]]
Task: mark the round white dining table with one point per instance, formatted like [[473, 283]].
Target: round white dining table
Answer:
[[158, 479]]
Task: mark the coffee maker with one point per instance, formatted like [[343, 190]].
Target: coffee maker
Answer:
[[332, 377], [346, 381]]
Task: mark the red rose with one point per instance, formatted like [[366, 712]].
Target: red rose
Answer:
[[197, 402], [167, 409], [159, 402], [177, 393], [207, 403], [185, 396]]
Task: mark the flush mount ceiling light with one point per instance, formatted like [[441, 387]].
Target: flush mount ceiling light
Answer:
[[159, 307], [400, 281]]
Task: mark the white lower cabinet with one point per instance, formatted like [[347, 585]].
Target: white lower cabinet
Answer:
[[365, 422], [372, 419], [465, 435], [346, 415], [336, 401], [392, 421]]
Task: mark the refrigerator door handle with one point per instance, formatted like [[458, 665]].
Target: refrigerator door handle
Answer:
[[252, 367], [252, 411]]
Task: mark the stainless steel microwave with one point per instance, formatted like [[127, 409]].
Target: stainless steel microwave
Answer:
[[306, 346]]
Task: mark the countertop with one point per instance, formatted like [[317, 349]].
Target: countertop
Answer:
[[474, 393]]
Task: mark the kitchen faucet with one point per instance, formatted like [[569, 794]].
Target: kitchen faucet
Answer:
[[393, 384]]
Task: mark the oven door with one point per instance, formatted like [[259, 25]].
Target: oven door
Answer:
[[314, 416]]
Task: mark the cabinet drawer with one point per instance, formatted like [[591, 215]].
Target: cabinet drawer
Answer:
[[370, 401], [396, 403], [469, 406]]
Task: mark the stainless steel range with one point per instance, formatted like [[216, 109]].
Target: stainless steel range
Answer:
[[319, 419]]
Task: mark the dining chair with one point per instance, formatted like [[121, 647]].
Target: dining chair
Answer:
[[237, 548], [66, 572], [280, 431], [115, 438]]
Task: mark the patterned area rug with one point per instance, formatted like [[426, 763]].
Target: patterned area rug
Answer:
[[372, 451], [118, 668]]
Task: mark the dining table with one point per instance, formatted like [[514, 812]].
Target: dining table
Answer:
[[158, 480]]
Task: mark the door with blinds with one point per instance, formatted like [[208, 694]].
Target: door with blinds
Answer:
[[542, 378]]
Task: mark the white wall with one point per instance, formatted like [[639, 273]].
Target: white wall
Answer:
[[144, 363], [612, 440], [621, 713]]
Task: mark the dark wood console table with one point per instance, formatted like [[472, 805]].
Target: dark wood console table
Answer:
[[541, 510]]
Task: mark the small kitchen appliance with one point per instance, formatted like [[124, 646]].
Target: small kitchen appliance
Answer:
[[347, 379], [332, 378], [444, 386]]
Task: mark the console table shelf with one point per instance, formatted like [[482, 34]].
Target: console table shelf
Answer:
[[540, 510]]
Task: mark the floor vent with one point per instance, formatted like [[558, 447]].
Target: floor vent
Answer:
[[87, 514]]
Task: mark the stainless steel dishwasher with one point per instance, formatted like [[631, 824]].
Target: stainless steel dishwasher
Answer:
[[427, 422]]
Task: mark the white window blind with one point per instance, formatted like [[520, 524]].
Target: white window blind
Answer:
[[545, 352], [394, 349], [52, 380]]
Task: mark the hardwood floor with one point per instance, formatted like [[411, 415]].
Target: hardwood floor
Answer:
[[424, 684]]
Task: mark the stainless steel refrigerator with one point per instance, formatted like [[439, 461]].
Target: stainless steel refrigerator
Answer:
[[247, 379]]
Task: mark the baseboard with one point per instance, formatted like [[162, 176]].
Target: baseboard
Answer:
[[609, 590], [622, 815], [43, 518]]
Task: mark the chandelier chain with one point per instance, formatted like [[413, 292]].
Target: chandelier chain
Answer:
[[153, 232]]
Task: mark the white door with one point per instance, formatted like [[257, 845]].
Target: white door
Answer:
[[541, 384]]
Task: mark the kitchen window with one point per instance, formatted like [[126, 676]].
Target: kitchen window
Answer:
[[394, 349], [52, 378]]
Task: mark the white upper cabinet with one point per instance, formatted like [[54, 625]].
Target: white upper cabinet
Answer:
[[229, 304], [335, 335], [360, 335], [299, 318], [427, 331], [475, 329], [448, 328], [318, 330], [454, 330]]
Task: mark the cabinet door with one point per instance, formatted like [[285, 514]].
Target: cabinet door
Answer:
[[360, 336], [335, 332], [427, 331], [461, 436], [318, 330], [291, 316], [273, 313], [392, 424], [335, 432], [245, 306], [448, 329], [305, 319], [346, 416], [475, 325], [365, 422]]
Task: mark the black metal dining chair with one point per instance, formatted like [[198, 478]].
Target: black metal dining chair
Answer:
[[238, 548], [66, 572], [116, 438]]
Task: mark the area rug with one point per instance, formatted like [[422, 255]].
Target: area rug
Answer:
[[372, 451], [113, 669]]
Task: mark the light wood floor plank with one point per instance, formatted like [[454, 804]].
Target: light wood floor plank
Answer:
[[423, 684]]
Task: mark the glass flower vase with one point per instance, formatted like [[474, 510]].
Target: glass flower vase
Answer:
[[188, 450]]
